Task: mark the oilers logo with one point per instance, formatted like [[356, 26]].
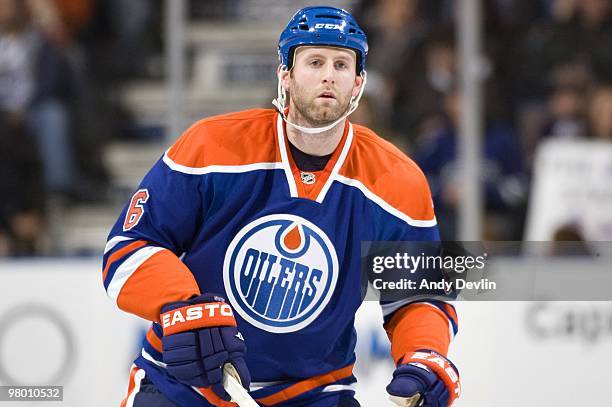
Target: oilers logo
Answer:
[[280, 272]]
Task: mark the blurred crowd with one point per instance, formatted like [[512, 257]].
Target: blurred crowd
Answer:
[[547, 67], [547, 74], [59, 62]]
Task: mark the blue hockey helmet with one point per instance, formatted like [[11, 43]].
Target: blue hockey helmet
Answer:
[[322, 26]]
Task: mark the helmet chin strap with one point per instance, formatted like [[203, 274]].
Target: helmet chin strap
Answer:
[[281, 99]]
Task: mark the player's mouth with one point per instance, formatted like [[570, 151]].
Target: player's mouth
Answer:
[[327, 95]]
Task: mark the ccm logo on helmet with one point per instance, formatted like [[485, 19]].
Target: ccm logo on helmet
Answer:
[[329, 26], [196, 312]]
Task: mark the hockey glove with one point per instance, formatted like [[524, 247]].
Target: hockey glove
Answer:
[[200, 337], [424, 378]]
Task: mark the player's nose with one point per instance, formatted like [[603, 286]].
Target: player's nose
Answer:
[[329, 74]]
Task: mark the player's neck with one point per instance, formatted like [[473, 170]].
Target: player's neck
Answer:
[[319, 144]]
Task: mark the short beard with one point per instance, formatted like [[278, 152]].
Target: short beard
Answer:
[[316, 116]]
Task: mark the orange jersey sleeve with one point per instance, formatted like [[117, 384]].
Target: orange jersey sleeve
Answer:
[[421, 325]]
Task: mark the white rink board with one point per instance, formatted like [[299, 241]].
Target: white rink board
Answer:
[[564, 360], [105, 340], [503, 362]]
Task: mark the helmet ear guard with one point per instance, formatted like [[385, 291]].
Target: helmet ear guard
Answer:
[[320, 26], [281, 93]]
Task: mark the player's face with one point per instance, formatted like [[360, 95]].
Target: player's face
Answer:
[[322, 83]]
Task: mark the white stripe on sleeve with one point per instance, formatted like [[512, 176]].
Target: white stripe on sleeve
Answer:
[[129, 267], [114, 242]]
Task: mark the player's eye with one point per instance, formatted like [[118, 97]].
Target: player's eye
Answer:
[[341, 65], [316, 62]]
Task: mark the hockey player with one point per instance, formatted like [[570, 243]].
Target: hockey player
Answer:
[[247, 233]]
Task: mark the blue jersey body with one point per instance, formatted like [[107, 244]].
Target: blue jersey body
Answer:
[[282, 247]]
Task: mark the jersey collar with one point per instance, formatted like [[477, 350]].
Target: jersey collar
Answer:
[[324, 177]]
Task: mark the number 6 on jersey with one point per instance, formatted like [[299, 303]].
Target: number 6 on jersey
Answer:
[[136, 209]]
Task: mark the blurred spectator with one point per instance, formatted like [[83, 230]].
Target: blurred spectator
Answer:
[[503, 174], [583, 30], [600, 113], [72, 17], [108, 42], [561, 112], [22, 223], [33, 89], [425, 81], [123, 40], [577, 34], [366, 115], [130, 21], [566, 106], [46, 104], [395, 30], [569, 241]]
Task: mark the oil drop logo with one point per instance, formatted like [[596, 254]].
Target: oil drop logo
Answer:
[[280, 272]]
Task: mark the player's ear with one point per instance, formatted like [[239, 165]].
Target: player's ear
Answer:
[[358, 84], [283, 75]]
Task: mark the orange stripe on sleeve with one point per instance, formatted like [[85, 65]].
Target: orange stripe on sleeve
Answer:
[[307, 385], [451, 311], [161, 279], [154, 340], [119, 254], [418, 326]]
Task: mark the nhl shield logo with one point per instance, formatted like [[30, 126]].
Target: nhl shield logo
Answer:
[[280, 272], [308, 178]]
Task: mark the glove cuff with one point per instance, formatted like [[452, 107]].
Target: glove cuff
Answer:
[[442, 367], [193, 315]]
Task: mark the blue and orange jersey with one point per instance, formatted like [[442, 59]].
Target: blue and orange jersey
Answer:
[[227, 211]]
